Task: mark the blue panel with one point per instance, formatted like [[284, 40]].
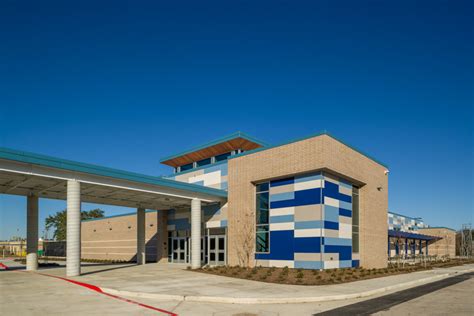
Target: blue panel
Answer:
[[308, 224], [180, 224], [281, 219], [308, 265], [303, 197], [281, 246], [355, 263], [224, 223], [345, 263], [331, 225], [332, 241], [331, 213], [345, 205], [282, 196], [345, 252], [308, 244], [346, 213], [308, 177], [308, 197], [280, 182], [332, 190]]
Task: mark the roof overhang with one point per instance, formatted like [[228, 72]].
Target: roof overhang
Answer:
[[400, 234], [220, 146], [23, 173]]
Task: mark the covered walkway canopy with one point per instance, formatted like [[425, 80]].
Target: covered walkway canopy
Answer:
[[407, 235], [38, 176]]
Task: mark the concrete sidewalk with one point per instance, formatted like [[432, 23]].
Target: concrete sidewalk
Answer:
[[171, 282]]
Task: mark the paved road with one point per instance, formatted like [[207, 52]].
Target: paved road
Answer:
[[452, 296], [25, 293]]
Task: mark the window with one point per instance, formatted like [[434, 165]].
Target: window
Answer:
[[262, 237], [203, 162], [222, 157], [187, 167], [355, 219]]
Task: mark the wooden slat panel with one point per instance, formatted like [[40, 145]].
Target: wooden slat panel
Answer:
[[218, 149]]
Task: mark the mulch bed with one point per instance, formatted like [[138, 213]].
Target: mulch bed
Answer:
[[317, 277]]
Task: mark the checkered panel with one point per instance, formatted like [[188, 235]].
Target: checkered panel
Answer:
[[310, 223], [214, 176]]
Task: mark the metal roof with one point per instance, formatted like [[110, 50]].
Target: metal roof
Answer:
[[216, 142], [400, 234], [53, 162]]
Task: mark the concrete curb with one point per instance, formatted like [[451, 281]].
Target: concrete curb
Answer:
[[283, 300]]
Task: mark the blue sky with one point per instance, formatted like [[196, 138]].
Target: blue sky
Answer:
[[122, 84]]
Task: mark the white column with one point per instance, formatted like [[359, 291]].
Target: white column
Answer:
[[195, 233], [141, 236], [32, 233], [73, 238]]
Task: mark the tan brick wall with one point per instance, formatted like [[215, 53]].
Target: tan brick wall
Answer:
[[115, 238], [445, 246], [317, 153]]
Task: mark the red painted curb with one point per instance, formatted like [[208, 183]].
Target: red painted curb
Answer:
[[99, 290]]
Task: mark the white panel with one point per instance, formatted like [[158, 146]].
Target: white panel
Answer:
[[331, 201], [208, 178], [331, 264], [282, 226], [171, 227], [308, 185], [345, 230], [313, 232], [282, 263], [213, 224], [282, 211], [345, 190]]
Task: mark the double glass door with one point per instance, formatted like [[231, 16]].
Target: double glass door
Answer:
[[213, 249], [216, 250], [179, 249]]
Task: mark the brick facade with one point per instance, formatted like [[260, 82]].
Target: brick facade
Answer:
[[319, 153]]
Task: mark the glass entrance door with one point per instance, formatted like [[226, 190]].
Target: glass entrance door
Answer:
[[217, 245], [179, 249]]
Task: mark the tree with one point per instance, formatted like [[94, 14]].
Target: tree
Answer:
[[58, 221]]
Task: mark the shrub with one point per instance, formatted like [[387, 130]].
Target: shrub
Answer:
[[300, 274]]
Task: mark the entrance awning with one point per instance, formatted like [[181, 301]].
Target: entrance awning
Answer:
[[24, 173]]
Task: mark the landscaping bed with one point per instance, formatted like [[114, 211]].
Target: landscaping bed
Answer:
[[318, 277]]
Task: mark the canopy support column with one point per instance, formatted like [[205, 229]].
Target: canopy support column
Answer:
[[141, 246], [73, 233], [196, 233], [32, 233]]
